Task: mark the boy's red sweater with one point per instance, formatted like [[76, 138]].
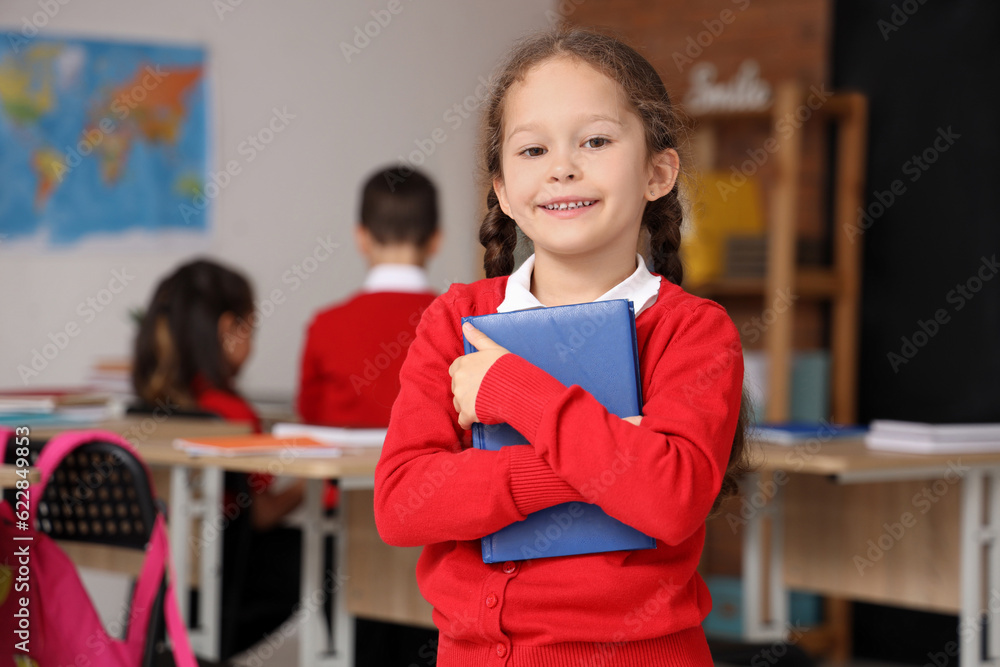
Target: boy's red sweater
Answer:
[[620, 608], [352, 356]]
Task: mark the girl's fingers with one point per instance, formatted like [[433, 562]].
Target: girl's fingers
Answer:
[[479, 340]]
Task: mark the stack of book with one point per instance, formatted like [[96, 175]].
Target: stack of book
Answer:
[[53, 407], [919, 438]]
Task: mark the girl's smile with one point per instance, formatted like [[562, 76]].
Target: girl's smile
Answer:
[[569, 207]]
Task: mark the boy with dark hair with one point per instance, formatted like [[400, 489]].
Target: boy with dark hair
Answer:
[[354, 349]]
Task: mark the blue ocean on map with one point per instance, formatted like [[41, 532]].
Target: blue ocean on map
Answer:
[[100, 139]]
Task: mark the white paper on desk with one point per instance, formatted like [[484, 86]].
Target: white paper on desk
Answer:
[[920, 438], [333, 435]]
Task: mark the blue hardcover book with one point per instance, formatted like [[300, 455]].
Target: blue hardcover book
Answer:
[[591, 345]]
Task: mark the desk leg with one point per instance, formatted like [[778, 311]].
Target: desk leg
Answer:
[[210, 561], [314, 646], [180, 529], [208, 507], [980, 488], [755, 559]]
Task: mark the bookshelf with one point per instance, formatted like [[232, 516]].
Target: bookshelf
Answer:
[[827, 295], [837, 284]]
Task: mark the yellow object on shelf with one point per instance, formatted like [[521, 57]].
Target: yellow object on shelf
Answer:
[[721, 210]]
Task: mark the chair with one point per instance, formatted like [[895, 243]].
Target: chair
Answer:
[[100, 494]]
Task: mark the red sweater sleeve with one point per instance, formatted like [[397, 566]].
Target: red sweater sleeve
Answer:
[[662, 476], [430, 486]]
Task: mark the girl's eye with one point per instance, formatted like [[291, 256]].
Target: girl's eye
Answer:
[[534, 151], [596, 142]]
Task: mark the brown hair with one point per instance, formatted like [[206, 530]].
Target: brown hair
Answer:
[[178, 337], [399, 205], [661, 218]]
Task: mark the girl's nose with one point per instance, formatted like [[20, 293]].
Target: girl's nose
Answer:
[[563, 169]]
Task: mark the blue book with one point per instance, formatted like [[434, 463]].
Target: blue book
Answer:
[[592, 345]]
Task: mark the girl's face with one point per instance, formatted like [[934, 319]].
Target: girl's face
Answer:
[[235, 334], [576, 172]]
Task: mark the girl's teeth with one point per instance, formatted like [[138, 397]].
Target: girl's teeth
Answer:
[[568, 206]]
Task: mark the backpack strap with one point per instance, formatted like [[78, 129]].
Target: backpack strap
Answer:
[[5, 434], [157, 562]]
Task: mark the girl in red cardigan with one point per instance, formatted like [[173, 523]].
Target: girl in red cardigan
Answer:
[[580, 143], [193, 341]]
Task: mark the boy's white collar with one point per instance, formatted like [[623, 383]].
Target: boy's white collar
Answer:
[[396, 278], [640, 288]]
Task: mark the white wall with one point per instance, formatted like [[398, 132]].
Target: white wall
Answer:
[[349, 119]]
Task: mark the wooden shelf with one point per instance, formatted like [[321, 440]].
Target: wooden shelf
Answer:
[[818, 283], [840, 283]]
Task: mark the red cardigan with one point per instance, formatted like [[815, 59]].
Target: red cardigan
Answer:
[[620, 608], [352, 357]]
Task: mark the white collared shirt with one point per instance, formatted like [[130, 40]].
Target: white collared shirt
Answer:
[[640, 288], [396, 278]]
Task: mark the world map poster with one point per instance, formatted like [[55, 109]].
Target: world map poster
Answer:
[[100, 139]]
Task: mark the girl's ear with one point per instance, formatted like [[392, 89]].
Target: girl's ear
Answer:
[[663, 171], [501, 190], [363, 239]]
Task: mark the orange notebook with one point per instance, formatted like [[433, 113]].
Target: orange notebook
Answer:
[[255, 445]]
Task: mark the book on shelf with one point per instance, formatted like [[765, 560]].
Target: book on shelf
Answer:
[[255, 444], [921, 438], [592, 345], [797, 433]]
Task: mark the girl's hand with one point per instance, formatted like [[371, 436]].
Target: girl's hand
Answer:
[[467, 373], [633, 420]]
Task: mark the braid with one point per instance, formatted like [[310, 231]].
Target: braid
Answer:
[[663, 219], [498, 234]]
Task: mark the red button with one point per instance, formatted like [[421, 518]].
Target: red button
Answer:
[[501, 650], [491, 600], [509, 567]]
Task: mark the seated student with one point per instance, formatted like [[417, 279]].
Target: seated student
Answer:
[[192, 342], [354, 349]]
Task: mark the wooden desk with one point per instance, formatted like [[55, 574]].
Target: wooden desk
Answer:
[[901, 529]]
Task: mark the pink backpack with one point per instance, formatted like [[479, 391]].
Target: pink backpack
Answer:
[[46, 616]]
